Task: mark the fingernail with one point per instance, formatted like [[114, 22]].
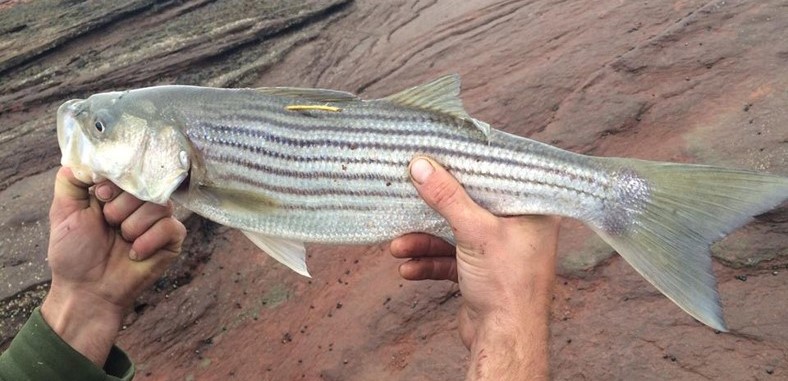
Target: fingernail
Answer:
[[133, 255], [104, 192], [420, 170]]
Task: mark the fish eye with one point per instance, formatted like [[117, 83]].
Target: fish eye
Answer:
[[99, 126]]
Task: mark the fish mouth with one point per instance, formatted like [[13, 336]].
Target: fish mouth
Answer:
[[66, 121], [75, 147]]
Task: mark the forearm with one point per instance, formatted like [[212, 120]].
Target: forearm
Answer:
[[505, 351], [84, 321], [513, 344]]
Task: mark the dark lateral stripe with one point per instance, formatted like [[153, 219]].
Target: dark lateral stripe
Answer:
[[367, 176], [334, 175], [246, 162], [290, 190], [299, 191], [259, 111], [338, 124], [274, 114], [373, 204], [335, 123], [243, 161], [220, 130]]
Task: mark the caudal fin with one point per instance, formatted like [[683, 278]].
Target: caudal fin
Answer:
[[682, 210]]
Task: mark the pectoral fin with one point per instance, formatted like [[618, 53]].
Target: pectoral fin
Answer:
[[234, 200], [288, 252]]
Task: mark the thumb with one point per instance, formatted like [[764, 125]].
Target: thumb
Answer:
[[441, 191], [71, 195]]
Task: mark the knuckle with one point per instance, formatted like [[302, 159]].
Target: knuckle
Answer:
[[130, 230], [180, 230], [172, 256], [169, 208], [111, 214]]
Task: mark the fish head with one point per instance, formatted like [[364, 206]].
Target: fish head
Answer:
[[125, 139]]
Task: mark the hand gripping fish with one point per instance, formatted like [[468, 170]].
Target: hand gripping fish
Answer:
[[292, 165]]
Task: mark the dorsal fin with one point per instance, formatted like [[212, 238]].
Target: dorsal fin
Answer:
[[316, 95], [441, 95]]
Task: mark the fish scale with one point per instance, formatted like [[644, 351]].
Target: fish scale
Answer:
[[290, 165], [351, 183]]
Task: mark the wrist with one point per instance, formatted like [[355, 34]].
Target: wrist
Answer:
[[511, 342], [511, 346], [86, 322]]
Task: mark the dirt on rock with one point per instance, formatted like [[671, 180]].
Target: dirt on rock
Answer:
[[687, 81]]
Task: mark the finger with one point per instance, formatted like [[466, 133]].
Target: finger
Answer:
[[167, 234], [120, 208], [420, 245], [154, 266], [443, 193], [71, 195], [106, 191], [143, 218], [438, 268]]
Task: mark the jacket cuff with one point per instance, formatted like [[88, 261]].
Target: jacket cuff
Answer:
[[38, 353]]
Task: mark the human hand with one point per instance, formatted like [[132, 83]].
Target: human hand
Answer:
[[505, 267], [104, 250]]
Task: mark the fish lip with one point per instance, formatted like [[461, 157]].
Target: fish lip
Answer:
[[72, 141], [66, 122]]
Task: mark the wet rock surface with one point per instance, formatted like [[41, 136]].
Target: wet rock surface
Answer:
[[691, 81]]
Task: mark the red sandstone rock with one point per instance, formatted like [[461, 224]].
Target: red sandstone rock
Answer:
[[693, 81]]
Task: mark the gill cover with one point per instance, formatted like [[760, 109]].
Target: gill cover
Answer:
[[111, 136]]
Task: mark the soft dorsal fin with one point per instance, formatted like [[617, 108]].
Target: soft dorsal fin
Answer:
[[287, 252], [441, 95], [316, 95]]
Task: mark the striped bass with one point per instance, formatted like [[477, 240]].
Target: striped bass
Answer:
[[291, 165]]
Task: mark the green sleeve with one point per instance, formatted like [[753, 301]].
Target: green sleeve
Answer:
[[38, 353]]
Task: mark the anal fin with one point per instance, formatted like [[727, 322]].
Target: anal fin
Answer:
[[288, 252]]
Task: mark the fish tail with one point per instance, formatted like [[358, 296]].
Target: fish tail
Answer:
[[664, 216]]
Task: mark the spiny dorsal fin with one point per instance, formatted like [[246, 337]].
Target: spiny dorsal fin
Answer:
[[441, 95], [316, 95]]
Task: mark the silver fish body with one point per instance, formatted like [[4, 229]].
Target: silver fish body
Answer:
[[288, 166], [341, 177]]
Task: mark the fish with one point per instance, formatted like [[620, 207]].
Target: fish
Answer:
[[289, 166]]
